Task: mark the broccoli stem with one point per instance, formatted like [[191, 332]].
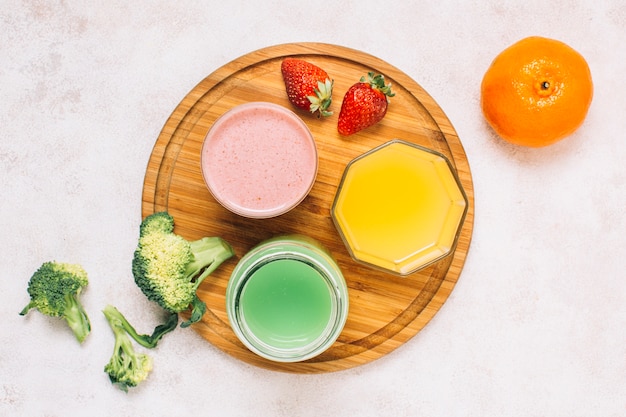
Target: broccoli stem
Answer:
[[198, 308], [208, 255], [26, 309], [148, 341], [76, 317]]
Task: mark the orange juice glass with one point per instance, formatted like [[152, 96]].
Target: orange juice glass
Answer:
[[399, 207]]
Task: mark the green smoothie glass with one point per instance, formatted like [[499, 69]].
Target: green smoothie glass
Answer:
[[287, 300]]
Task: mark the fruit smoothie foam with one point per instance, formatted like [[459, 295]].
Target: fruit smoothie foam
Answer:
[[259, 160]]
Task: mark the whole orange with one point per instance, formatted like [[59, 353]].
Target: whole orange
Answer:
[[536, 92]]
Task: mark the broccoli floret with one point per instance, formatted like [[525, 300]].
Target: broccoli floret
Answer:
[[169, 269], [157, 222], [54, 290], [127, 367]]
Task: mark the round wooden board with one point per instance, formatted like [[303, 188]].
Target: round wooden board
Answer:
[[385, 310]]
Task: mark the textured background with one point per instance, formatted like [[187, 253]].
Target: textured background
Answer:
[[536, 325]]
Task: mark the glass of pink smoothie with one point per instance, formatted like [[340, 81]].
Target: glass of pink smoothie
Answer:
[[259, 160]]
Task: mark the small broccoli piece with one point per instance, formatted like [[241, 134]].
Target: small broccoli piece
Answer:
[[54, 290], [127, 368], [169, 269]]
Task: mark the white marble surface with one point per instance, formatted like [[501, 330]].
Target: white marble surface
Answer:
[[536, 325]]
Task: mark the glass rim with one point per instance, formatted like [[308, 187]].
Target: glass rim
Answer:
[[250, 212], [327, 270], [420, 266]]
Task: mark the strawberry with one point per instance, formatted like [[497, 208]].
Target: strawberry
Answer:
[[308, 86], [364, 104]]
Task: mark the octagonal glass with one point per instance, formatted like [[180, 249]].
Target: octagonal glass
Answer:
[[399, 207]]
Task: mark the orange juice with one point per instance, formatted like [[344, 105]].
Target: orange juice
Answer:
[[399, 207]]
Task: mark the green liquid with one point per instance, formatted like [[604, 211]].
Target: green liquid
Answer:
[[286, 303]]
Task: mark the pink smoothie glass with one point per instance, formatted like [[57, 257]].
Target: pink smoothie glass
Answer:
[[259, 160]]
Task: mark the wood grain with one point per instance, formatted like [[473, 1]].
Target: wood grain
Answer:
[[385, 310]]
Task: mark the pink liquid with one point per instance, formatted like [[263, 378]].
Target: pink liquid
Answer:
[[259, 160]]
